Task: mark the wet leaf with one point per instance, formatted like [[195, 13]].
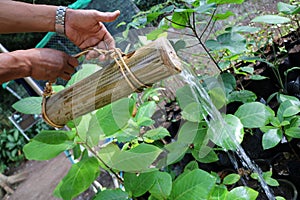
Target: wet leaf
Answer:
[[271, 138], [242, 193]]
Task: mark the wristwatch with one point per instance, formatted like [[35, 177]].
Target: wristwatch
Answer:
[[60, 20]]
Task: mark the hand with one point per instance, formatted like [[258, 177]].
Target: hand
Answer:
[[49, 64], [85, 28]]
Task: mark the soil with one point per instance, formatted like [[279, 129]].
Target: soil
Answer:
[[42, 179]]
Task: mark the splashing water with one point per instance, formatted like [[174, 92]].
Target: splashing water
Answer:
[[213, 116]]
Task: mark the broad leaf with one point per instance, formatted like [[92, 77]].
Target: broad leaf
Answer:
[[229, 82], [242, 29], [254, 114], [234, 42], [196, 184], [271, 19], [29, 105], [242, 193], [146, 110], [156, 134], [271, 138], [288, 9], [162, 186], [244, 96], [116, 194], [180, 19], [48, 144], [137, 185], [115, 116], [79, 178], [87, 69], [286, 106], [222, 16], [293, 132], [193, 112], [231, 179], [230, 135], [137, 159]]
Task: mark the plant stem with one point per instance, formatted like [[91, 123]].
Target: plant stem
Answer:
[[193, 27], [100, 159]]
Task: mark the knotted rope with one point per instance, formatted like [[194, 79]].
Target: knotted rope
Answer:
[[119, 58]]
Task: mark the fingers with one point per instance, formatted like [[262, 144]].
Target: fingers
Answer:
[[107, 16]]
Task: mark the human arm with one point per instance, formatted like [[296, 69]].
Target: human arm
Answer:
[[41, 64], [83, 27]]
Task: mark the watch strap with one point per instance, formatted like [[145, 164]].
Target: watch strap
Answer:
[[60, 20]]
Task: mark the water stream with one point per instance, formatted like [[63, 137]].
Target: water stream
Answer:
[[215, 116]]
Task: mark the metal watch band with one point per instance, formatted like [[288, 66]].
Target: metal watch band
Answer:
[[60, 20]]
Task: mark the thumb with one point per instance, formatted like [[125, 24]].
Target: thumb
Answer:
[[107, 16]]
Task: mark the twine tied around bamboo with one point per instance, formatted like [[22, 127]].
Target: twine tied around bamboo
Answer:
[[119, 58]]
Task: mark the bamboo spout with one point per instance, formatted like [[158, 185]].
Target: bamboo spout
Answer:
[[149, 64]]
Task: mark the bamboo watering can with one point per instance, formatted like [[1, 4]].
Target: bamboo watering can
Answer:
[[129, 73]]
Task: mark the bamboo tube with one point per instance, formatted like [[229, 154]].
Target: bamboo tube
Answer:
[[149, 64]]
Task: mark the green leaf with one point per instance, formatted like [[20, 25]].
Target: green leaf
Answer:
[[279, 198], [115, 116], [48, 144], [54, 136], [242, 29], [231, 179], [229, 82], [242, 193], [291, 111], [222, 16], [87, 69], [293, 132], [257, 77], [89, 130], [249, 70], [217, 96], [146, 110], [226, 1], [254, 114], [191, 166], [284, 106], [79, 178], [271, 181], [137, 159], [193, 112], [288, 9], [180, 19], [29, 105], [271, 19], [116, 194], [271, 138], [219, 192], [156, 134], [180, 44], [196, 184], [244, 96], [230, 135], [137, 185], [162, 186], [234, 42]]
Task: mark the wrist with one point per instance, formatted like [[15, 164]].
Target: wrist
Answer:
[[60, 20]]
